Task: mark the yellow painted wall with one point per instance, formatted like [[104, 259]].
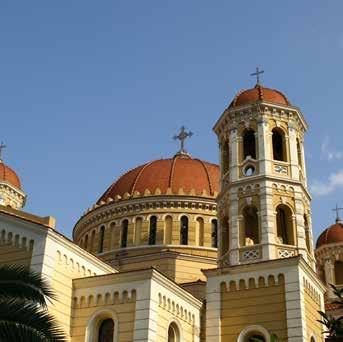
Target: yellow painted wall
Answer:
[[84, 309], [312, 306], [10, 255], [263, 306]]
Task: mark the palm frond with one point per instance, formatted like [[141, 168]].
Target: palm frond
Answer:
[[21, 283], [27, 322]]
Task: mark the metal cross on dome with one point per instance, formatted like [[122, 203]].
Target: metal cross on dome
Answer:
[[182, 136], [257, 73], [337, 213], [2, 146]]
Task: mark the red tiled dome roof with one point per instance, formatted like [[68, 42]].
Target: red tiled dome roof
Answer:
[[333, 234], [259, 93], [174, 173], [9, 176]]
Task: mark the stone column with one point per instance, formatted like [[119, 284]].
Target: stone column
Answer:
[[293, 153], [213, 308], [233, 147], [263, 144], [234, 229], [299, 224], [329, 270]]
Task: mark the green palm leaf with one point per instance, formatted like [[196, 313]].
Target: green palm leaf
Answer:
[[21, 283], [27, 322]]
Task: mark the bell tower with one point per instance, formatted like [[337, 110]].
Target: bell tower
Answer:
[[264, 204], [265, 286]]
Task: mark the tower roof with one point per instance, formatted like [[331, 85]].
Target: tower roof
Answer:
[[332, 234], [8, 175], [259, 93]]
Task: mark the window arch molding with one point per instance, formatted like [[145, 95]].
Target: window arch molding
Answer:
[[253, 329], [93, 324], [175, 321]]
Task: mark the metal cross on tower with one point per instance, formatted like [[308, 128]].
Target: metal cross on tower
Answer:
[[257, 73], [337, 213], [182, 136], [2, 146]]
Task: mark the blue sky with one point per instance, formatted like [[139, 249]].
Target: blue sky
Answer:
[[89, 89]]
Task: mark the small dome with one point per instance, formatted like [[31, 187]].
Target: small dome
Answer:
[[259, 93], [174, 173], [9, 176], [333, 234]]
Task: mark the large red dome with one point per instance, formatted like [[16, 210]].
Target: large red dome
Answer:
[[9, 176], [259, 93], [173, 173], [333, 234]]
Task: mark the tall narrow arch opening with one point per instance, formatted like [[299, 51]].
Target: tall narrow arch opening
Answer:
[[92, 242], [106, 330], [101, 239], [250, 232], [124, 233], [225, 156], [184, 230], [199, 231], [152, 230], [249, 144], [284, 223], [307, 233], [224, 235], [214, 234], [168, 230], [279, 146], [339, 272], [173, 333]]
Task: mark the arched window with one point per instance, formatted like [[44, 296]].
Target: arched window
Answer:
[[152, 230], [168, 232], [214, 232], [85, 245], [199, 232], [250, 233], [106, 330], [184, 230], [279, 148], [300, 159], [249, 144], [339, 272], [313, 339], [173, 333], [255, 338], [224, 238], [254, 333], [101, 239], [124, 232], [225, 157], [284, 223]]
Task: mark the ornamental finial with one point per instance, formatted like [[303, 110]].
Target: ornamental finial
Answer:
[[257, 73], [182, 136]]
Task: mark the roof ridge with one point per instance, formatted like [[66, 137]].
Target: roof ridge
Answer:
[[140, 173], [207, 174]]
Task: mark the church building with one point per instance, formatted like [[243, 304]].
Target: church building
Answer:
[[181, 249]]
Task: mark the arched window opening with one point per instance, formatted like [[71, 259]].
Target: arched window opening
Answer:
[[313, 339], [106, 330], [184, 230], [339, 272], [225, 157], [251, 234], [249, 144], [85, 244], [101, 239], [214, 232], [199, 232], [307, 234], [152, 230], [224, 238], [168, 230], [279, 148], [124, 233], [300, 159], [255, 338], [173, 333], [284, 223]]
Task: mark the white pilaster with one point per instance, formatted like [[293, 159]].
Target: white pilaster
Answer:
[[213, 311]]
